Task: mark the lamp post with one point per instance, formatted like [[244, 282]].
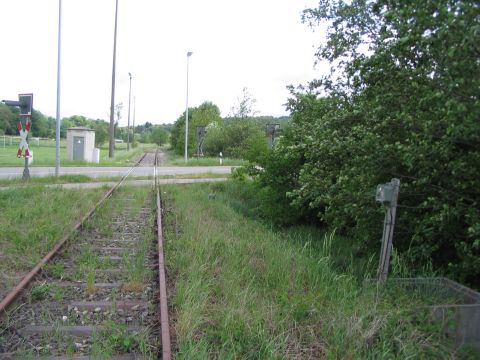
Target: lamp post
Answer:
[[133, 136], [186, 113], [57, 127], [128, 124], [111, 147]]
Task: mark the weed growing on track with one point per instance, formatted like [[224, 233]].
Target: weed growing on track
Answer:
[[39, 292], [135, 263], [54, 270], [115, 338], [246, 291]]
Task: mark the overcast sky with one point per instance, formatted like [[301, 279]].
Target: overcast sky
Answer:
[[258, 44]]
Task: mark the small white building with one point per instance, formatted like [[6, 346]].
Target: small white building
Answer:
[[81, 145]]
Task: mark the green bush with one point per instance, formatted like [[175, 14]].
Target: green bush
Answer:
[[408, 109]]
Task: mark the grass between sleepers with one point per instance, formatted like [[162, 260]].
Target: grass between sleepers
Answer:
[[113, 338], [127, 206], [243, 290]]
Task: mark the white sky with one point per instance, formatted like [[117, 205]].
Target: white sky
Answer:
[[258, 44]]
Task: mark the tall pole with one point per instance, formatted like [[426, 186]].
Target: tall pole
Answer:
[[133, 136], [186, 114], [111, 148], [128, 123], [387, 239], [26, 171], [57, 131]]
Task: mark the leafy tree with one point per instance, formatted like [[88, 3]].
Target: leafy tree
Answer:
[[65, 124], [215, 140], [7, 120], [159, 135], [240, 133], [101, 132], [245, 106], [202, 115], [401, 101], [40, 126]]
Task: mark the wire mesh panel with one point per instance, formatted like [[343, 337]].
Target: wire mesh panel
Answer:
[[454, 306]]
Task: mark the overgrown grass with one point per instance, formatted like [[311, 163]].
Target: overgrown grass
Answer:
[[244, 290], [32, 220]]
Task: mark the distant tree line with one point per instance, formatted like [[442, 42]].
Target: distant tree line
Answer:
[[45, 127]]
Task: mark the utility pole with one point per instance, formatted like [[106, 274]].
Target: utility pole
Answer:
[[186, 113], [57, 131], [388, 195], [111, 147], [133, 135], [128, 124]]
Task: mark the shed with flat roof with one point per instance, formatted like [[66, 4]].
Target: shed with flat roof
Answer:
[[81, 144]]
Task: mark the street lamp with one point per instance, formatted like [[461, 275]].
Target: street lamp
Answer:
[[186, 113], [133, 136], [128, 124], [57, 127], [111, 129]]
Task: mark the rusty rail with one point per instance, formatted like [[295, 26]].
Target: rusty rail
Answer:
[[12, 295], [164, 322]]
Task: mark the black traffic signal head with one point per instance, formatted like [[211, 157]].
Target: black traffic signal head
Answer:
[[26, 104]]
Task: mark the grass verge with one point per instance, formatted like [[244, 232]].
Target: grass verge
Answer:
[[177, 160], [246, 291], [32, 220]]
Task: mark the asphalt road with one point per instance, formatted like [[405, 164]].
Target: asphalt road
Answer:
[[94, 172]]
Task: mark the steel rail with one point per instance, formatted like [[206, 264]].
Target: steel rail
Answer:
[[164, 322], [12, 294]]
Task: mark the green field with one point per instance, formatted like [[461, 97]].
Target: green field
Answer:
[[244, 290], [44, 154]]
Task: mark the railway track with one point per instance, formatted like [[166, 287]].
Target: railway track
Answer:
[[99, 294]]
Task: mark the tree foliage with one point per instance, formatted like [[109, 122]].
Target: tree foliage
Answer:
[[245, 106], [7, 120], [159, 135], [202, 115], [45, 127], [401, 101]]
